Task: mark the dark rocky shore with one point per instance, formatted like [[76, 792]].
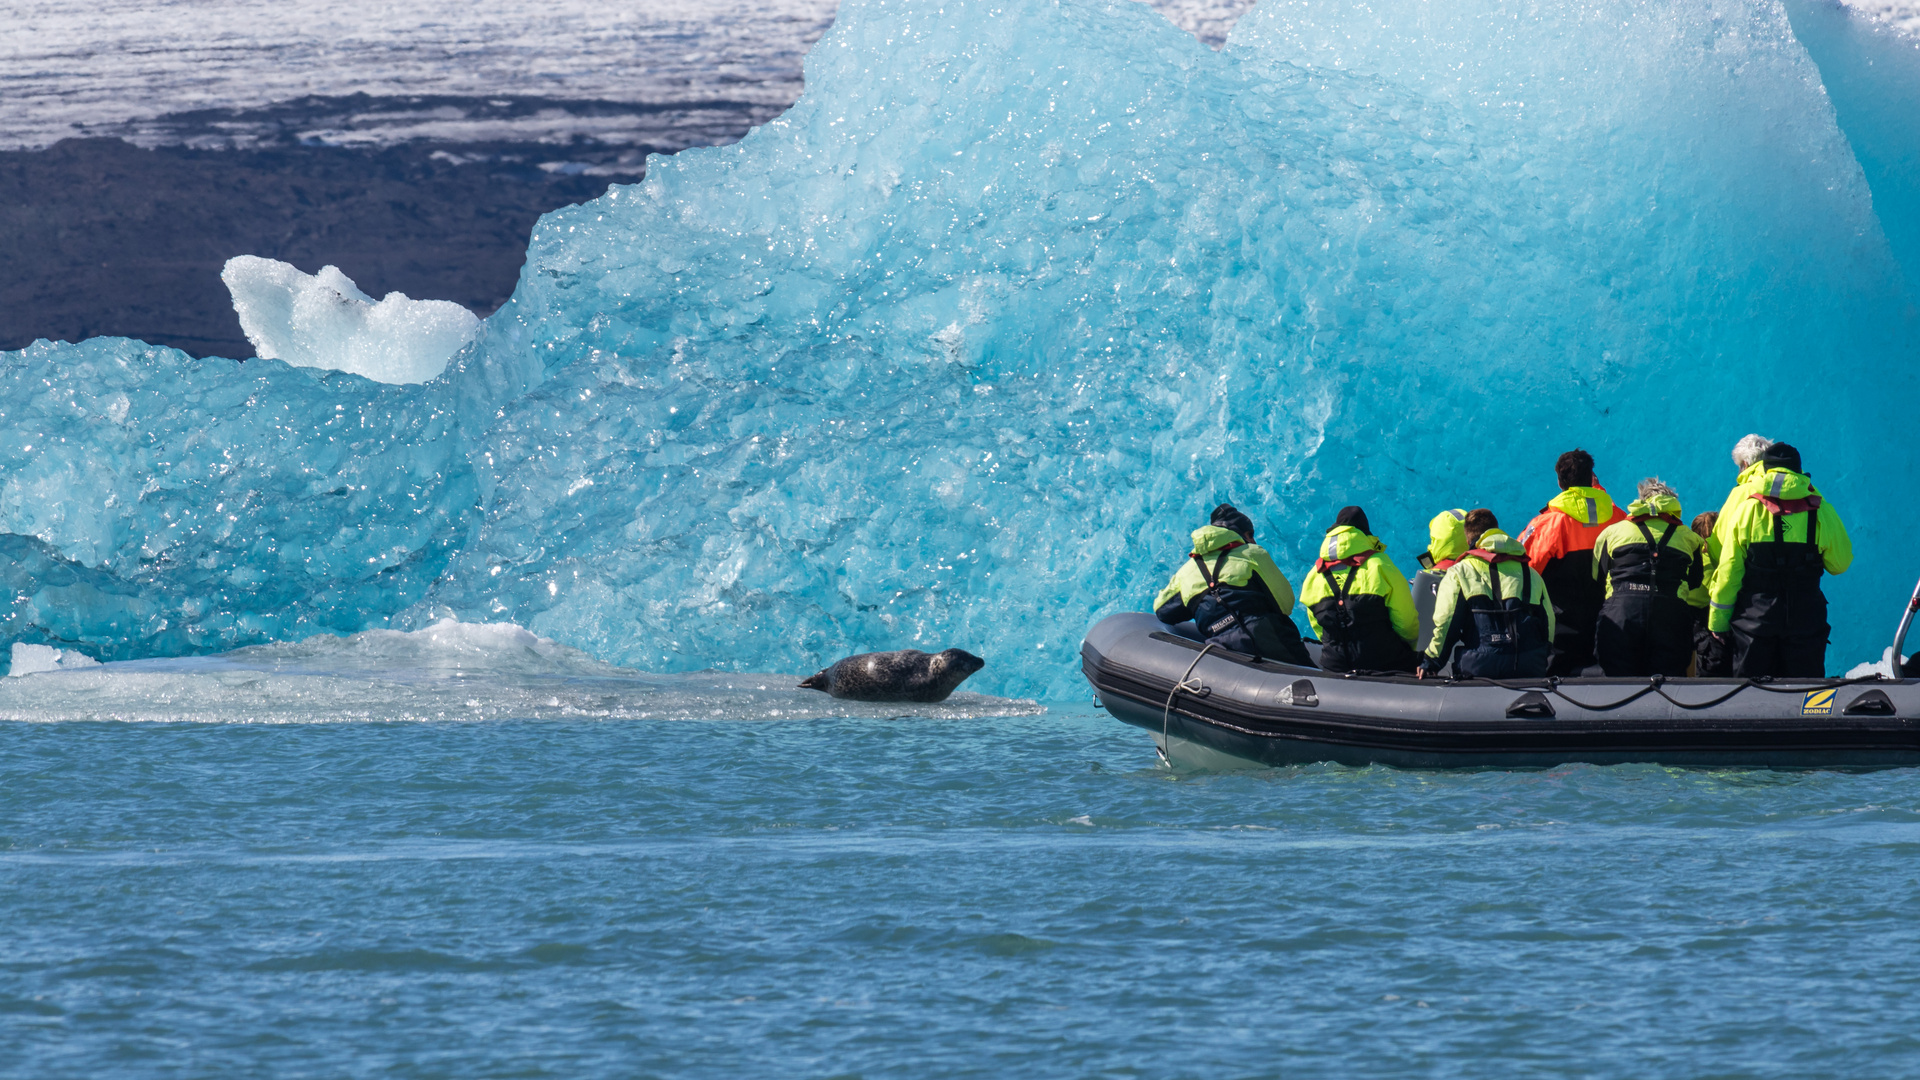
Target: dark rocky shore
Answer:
[[101, 237]]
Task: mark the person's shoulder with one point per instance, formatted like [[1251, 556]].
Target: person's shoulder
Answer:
[[1615, 530], [1546, 527], [1546, 518], [1739, 518], [1261, 558]]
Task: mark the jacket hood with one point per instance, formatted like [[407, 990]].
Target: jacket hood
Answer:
[[1655, 505], [1208, 539], [1501, 544], [1783, 484], [1345, 541], [1586, 505], [1447, 535]]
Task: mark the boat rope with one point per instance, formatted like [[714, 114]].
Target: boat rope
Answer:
[[1190, 685], [1656, 685]]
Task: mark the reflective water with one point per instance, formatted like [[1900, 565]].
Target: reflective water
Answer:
[[871, 897]]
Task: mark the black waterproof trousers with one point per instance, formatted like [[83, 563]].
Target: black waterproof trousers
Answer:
[[1644, 636], [1782, 631], [1270, 637], [1491, 663], [1576, 609], [1376, 652], [1797, 657]]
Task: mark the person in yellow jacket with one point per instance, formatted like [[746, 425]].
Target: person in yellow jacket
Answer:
[[1494, 608], [1647, 565], [1746, 461], [1446, 542], [1358, 601], [1775, 542], [1235, 595]]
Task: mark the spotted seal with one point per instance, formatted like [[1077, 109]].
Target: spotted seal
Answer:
[[906, 675]]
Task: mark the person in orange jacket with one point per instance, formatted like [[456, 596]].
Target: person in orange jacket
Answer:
[[1559, 545]]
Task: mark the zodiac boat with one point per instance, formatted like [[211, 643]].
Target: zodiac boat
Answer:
[[1210, 708]]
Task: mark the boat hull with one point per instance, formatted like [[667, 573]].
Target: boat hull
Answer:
[[1237, 712]]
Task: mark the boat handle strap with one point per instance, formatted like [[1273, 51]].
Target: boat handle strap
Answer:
[[1190, 685]]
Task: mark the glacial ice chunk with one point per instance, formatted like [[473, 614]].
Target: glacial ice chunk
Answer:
[[152, 503], [1883, 667], [324, 321], [32, 659], [958, 350], [447, 671]]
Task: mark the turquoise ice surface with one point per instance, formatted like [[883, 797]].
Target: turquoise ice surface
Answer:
[[1023, 896]]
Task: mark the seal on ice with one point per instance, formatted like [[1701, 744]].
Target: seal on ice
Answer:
[[906, 675]]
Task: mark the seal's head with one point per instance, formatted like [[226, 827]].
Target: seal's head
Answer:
[[952, 666]]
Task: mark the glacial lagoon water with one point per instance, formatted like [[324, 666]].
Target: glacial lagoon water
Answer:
[[1011, 895]]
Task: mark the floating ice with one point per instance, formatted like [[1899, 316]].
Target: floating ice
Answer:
[[30, 659], [1883, 667], [448, 671], [446, 645], [152, 503], [323, 321], [957, 351]]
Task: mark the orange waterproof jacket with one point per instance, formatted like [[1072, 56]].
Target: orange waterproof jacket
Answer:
[[1570, 523]]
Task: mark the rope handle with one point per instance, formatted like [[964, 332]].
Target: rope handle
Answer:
[[1192, 686]]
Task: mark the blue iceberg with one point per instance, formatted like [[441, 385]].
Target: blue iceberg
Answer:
[[957, 350]]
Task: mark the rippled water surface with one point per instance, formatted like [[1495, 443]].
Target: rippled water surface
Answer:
[[1018, 895]]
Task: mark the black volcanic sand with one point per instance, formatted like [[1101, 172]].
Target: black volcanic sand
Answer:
[[99, 237]]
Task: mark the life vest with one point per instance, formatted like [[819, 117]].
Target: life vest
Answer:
[[1780, 568], [1221, 607], [1244, 618], [1509, 625], [1341, 619], [1356, 629], [1649, 571]]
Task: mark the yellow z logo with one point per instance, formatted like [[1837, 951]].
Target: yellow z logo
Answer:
[[1818, 703]]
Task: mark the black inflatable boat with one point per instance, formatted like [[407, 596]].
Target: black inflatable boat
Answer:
[[1209, 708]]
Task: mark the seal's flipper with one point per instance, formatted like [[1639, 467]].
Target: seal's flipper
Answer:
[[818, 681]]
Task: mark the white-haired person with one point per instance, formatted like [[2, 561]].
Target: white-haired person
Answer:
[[1716, 656], [1746, 458], [1648, 568], [1777, 540]]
